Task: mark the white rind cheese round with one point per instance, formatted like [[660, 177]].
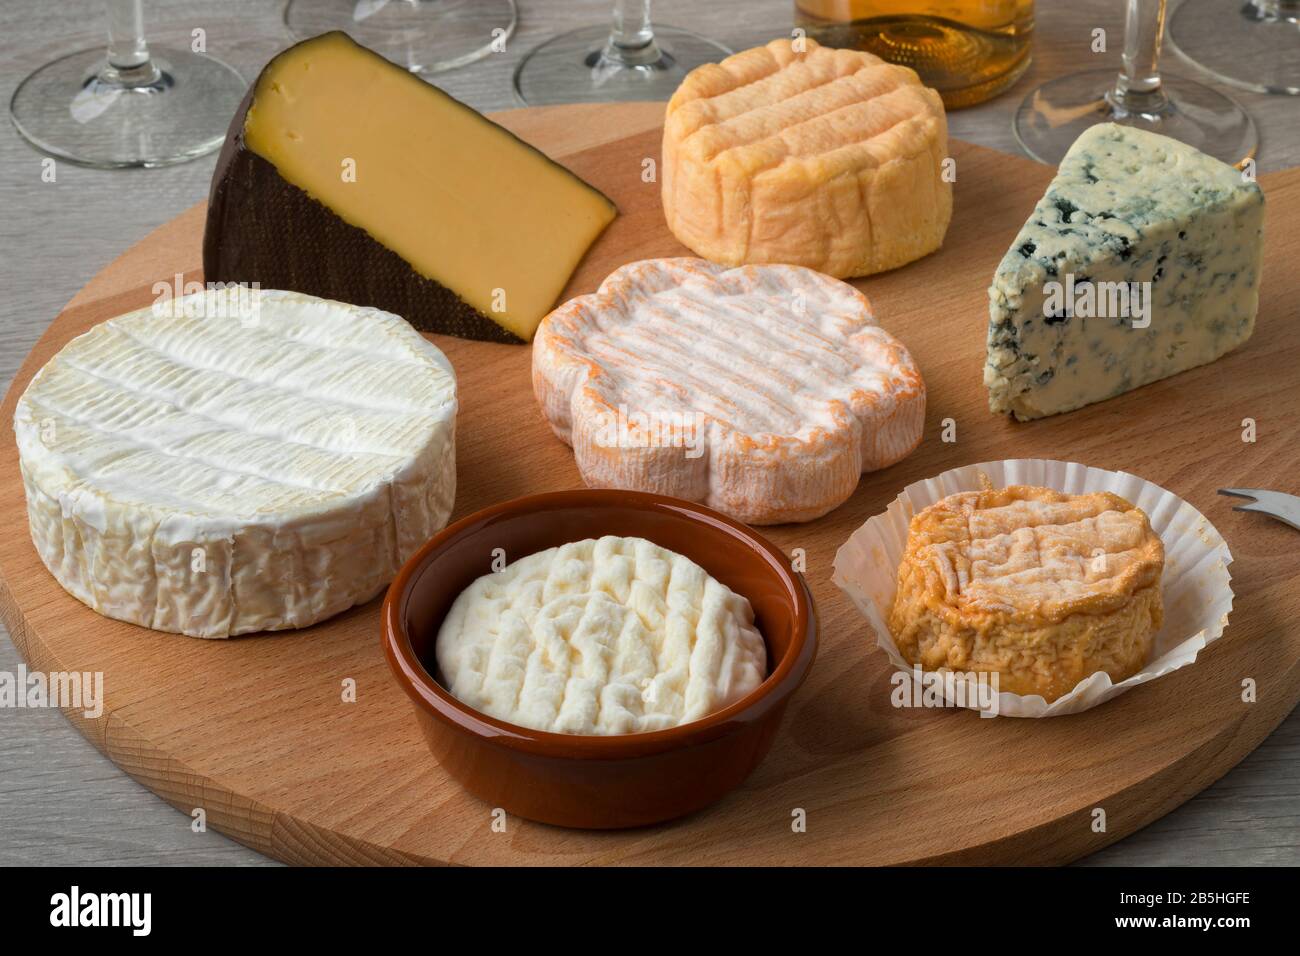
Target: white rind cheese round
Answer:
[[601, 636], [762, 391], [196, 468]]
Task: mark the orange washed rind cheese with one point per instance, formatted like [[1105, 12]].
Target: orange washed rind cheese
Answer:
[[762, 391], [830, 159], [1041, 587]]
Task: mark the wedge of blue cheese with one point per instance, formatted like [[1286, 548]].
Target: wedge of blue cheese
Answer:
[[1142, 260]]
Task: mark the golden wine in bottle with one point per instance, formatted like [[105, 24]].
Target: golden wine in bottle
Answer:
[[968, 50]]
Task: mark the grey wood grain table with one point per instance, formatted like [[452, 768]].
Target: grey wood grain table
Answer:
[[60, 800]]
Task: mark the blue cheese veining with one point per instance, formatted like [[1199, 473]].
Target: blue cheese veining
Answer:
[[1128, 210]]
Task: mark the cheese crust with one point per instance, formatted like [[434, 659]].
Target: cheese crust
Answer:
[[764, 391], [1040, 587], [830, 159]]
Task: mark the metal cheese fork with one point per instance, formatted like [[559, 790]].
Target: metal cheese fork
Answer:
[[1275, 504]]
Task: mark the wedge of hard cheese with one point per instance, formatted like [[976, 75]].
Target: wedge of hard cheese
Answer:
[[346, 177], [1141, 261]]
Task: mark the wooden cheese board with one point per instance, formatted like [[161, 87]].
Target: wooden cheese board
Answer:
[[256, 730]]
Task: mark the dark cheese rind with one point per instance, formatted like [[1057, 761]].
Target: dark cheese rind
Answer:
[[261, 228]]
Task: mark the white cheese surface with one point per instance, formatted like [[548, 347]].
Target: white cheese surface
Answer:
[[601, 636], [194, 472]]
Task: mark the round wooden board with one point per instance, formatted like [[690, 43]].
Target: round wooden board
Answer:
[[255, 731]]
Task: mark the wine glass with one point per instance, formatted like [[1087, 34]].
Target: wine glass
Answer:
[[1255, 45], [1052, 116], [631, 60], [135, 106], [425, 36]]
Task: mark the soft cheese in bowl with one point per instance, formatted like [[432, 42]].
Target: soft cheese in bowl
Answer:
[[599, 658], [601, 636]]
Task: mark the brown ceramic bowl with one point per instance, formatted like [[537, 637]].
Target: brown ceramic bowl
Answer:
[[599, 781]]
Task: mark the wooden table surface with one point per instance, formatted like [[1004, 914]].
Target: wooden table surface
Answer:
[[60, 800]]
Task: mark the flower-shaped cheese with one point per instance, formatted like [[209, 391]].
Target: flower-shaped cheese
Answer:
[[761, 391]]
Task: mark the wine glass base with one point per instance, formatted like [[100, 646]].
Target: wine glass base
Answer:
[[65, 110], [425, 36], [1052, 117], [1234, 45], [573, 68]]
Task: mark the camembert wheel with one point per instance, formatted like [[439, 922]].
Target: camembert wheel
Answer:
[[237, 460]]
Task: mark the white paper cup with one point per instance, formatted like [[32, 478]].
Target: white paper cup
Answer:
[[1196, 585]]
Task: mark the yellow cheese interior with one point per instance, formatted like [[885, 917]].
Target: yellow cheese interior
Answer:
[[464, 202]]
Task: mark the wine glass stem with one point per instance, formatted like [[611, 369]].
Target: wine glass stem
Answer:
[[128, 63], [1272, 11], [1137, 88], [631, 37]]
